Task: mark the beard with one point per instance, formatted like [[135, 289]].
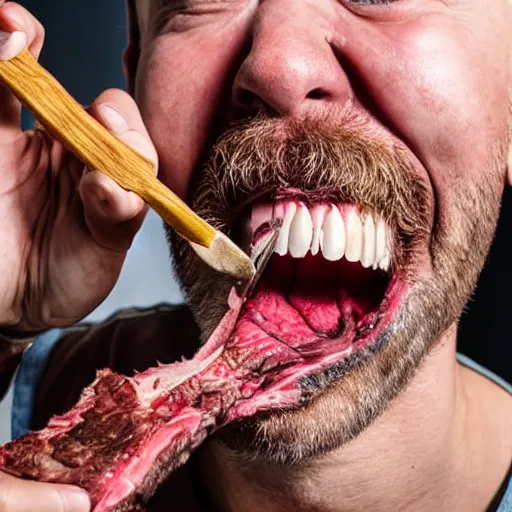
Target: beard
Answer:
[[435, 260]]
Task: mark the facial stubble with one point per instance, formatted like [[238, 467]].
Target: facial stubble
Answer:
[[344, 164]]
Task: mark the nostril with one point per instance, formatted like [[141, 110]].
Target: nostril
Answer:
[[247, 98], [250, 103], [317, 94]]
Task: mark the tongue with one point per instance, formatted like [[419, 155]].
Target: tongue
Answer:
[[314, 294], [296, 300], [299, 300]]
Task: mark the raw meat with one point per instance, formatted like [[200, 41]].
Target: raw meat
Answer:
[[125, 435]]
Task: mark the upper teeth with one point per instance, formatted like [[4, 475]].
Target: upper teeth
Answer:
[[335, 230], [301, 233], [333, 236]]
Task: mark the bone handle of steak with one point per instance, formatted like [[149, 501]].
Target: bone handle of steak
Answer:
[[89, 141]]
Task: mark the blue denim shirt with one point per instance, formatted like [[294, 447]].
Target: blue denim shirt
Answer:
[[34, 361]]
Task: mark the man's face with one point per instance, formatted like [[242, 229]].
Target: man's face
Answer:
[[378, 131]]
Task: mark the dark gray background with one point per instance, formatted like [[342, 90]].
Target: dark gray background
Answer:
[[83, 49]]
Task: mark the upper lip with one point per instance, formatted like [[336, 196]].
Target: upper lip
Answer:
[[273, 194]]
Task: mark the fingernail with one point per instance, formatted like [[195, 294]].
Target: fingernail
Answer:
[[11, 44], [116, 122], [77, 500]]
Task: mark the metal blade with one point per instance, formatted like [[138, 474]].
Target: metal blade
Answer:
[[260, 258]]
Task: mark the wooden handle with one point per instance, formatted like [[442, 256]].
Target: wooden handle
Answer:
[[88, 140]]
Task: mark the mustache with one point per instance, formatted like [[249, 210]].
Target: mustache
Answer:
[[326, 162]]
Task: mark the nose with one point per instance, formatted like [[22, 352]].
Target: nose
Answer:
[[290, 69]]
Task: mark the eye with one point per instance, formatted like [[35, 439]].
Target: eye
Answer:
[[180, 15], [197, 6], [382, 7], [372, 2], [171, 15]]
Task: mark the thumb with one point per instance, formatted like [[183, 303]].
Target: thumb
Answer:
[[112, 214], [18, 495]]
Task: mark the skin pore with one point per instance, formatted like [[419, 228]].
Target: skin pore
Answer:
[[420, 71]]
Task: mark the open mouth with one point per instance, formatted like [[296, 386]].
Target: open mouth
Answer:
[[329, 290]]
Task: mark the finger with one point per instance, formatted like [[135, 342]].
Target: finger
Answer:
[[18, 29], [115, 204], [124, 120], [112, 214], [14, 17], [11, 44], [18, 495]]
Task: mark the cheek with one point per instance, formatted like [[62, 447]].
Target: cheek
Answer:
[[180, 84], [177, 104], [461, 118], [455, 119], [438, 96]]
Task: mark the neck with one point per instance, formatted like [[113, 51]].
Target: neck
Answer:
[[411, 458]]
